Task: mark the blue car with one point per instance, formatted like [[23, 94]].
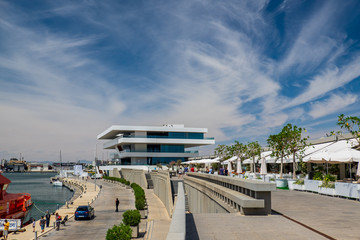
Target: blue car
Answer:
[[85, 212]]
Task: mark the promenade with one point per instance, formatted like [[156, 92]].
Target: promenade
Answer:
[[86, 198], [156, 226], [296, 215]]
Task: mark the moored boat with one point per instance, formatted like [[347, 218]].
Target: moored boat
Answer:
[[57, 183], [13, 205]]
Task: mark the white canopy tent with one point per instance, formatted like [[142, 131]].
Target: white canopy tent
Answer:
[[336, 152]]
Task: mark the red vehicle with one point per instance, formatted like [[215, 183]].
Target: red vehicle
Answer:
[[13, 205]]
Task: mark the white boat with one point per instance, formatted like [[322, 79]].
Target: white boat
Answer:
[[57, 184]]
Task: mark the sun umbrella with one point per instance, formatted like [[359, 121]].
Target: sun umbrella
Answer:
[[229, 168], [358, 170], [238, 167], [263, 169]]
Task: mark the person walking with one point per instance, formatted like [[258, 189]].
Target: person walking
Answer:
[[42, 223], [117, 202], [58, 221], [6, 229], [33, 224], [47, 217]]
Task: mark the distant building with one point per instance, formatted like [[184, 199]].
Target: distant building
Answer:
[[149, 145]]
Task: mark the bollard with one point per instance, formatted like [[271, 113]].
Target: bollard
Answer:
[[35, 235]]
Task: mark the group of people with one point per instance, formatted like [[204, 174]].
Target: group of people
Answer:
[[45, 221]]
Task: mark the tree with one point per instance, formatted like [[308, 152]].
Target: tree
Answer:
[[294, 143], [239, 150], [351, 124], [178, 163], [253, 150], [221, 151], [278, 145]]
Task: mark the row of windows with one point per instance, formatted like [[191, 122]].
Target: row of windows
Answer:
[[165, 148], [164, 160], [179, 135]]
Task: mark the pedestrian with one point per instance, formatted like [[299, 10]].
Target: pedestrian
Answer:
[[117, 202], [58, 221], [34, 225], [47, 217], [6, 229], [42, 223]]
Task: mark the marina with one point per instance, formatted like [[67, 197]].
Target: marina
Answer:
[[44, 195]]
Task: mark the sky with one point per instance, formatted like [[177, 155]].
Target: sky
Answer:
[[242, 69]]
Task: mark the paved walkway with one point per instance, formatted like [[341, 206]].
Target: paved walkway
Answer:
[[338, 218], [158, 218], [105, 215], [335, 218], [88, 197]]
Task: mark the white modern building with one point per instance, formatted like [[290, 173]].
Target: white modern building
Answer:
[[149, 145]]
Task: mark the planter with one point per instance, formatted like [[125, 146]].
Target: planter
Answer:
[[135, 231], [291, 183], [299, 187], [327, 191], [349, 190], [281, 183], [312, 185]]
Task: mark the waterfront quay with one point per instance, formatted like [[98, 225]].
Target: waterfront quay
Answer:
[[294, 215]]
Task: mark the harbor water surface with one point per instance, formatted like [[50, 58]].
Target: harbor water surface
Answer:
[[44, 195]]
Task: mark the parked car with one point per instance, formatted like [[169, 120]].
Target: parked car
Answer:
[[85, 212]]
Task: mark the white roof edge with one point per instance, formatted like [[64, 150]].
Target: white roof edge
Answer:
[[175, 128]]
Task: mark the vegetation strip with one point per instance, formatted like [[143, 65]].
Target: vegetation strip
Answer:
[[304, 225], [131, 218]]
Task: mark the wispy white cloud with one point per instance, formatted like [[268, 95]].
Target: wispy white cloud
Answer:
[[201, 63], [331, 105]]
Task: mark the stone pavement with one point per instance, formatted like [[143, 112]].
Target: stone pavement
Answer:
[[88, 196], [313, 215], [338, 218], [158, 218], [105, 215]]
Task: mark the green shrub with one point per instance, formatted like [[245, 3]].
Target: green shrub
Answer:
[[140, 204], [327, 185], [318, 176], [131, 217], [127, 183], [329, 178], [299, 182], [121, 232]]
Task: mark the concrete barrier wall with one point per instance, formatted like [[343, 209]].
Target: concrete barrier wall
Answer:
[[177, 229], [136, 176], [114, 173], [209, 193], [162, 189], [200, 202]]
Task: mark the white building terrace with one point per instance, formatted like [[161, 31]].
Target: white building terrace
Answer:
[[149, 145]]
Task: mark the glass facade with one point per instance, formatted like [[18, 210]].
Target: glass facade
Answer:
[[177, 135], [165, 148], [164, 160]]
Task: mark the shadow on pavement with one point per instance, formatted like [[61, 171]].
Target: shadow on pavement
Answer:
[[191, 231]]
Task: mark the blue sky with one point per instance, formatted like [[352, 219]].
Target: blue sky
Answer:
[[243, 69]]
